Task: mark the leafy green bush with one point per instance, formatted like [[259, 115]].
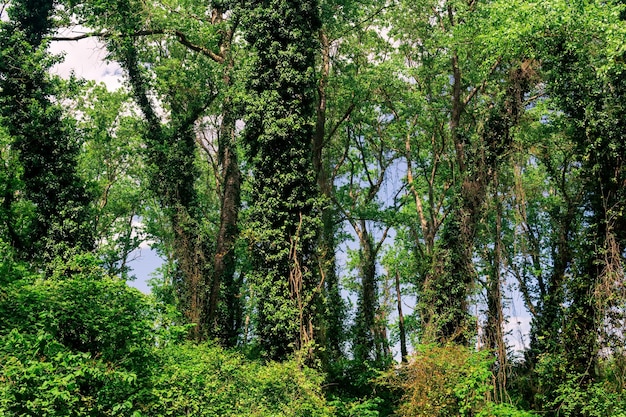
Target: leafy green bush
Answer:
[[563, 390], [10, 269], [81, 343], [353, 389], [595, 400], [203, 380], [357, 408], [502, 410], [76, 344], [41, 377], [85, 312]]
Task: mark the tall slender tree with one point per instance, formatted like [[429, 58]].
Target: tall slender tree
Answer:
[[285, 205], [47, 144], [594, 103]]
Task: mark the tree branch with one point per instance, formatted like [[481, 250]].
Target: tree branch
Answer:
[[343, 119], [483, 84], [180, 36]]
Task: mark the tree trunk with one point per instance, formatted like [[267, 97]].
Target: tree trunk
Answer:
[[331, 334], [401, 330], [225, 288], [494, 331], [365, 333]]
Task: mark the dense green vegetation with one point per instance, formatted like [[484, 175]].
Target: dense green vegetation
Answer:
[[326, 181]]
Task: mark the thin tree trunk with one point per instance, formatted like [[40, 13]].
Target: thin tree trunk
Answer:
[[494, 332], [225, 305], [224, 287], [331, 327], [401, 329]]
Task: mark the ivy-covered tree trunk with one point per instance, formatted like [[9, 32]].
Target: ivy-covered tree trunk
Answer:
[[595, 105], [369, 345], [225, 302], [447, 288], [285, 208], [47, 145], [494, 332], [170, 155], [545, 333]]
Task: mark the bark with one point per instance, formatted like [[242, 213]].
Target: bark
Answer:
[[494, 331], [365, 348], [171, 159], [331, 329], [225, 287], [370, 337], [401, 329]]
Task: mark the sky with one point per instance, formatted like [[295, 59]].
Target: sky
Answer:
[[86, 58]]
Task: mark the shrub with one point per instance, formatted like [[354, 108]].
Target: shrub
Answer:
[[77, 344], [86, 312], [447, 381], [566, 393], [204, 380], [40, 377]]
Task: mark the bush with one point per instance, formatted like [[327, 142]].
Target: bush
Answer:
[[564, 390], [41, 377], [10, 269], [77, 344], [86, 312], [447, 381], [81, 343], [203, 380], [357, 408]]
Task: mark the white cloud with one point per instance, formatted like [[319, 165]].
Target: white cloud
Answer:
[[86, 58]]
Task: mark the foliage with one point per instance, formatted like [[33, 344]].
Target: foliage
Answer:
[[110, 162], [45, 140], [463, 151], [353, 388], [82, 309], [82, 344], [284, 217], [564, 392], [596, 400], [358, 408], [41, 377], [446, 381], [204, 380], [11, 269], [75, 344]]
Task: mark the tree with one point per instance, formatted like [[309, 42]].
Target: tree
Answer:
[[111, 163], [470, 100], [364, 174], [181, 66], [171, 154], [284, 213], [46, 142], [588, 87]]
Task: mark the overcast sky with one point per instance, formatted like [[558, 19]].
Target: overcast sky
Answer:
[[87, 59]]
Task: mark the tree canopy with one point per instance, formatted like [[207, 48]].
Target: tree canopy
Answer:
[[354, 202]]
